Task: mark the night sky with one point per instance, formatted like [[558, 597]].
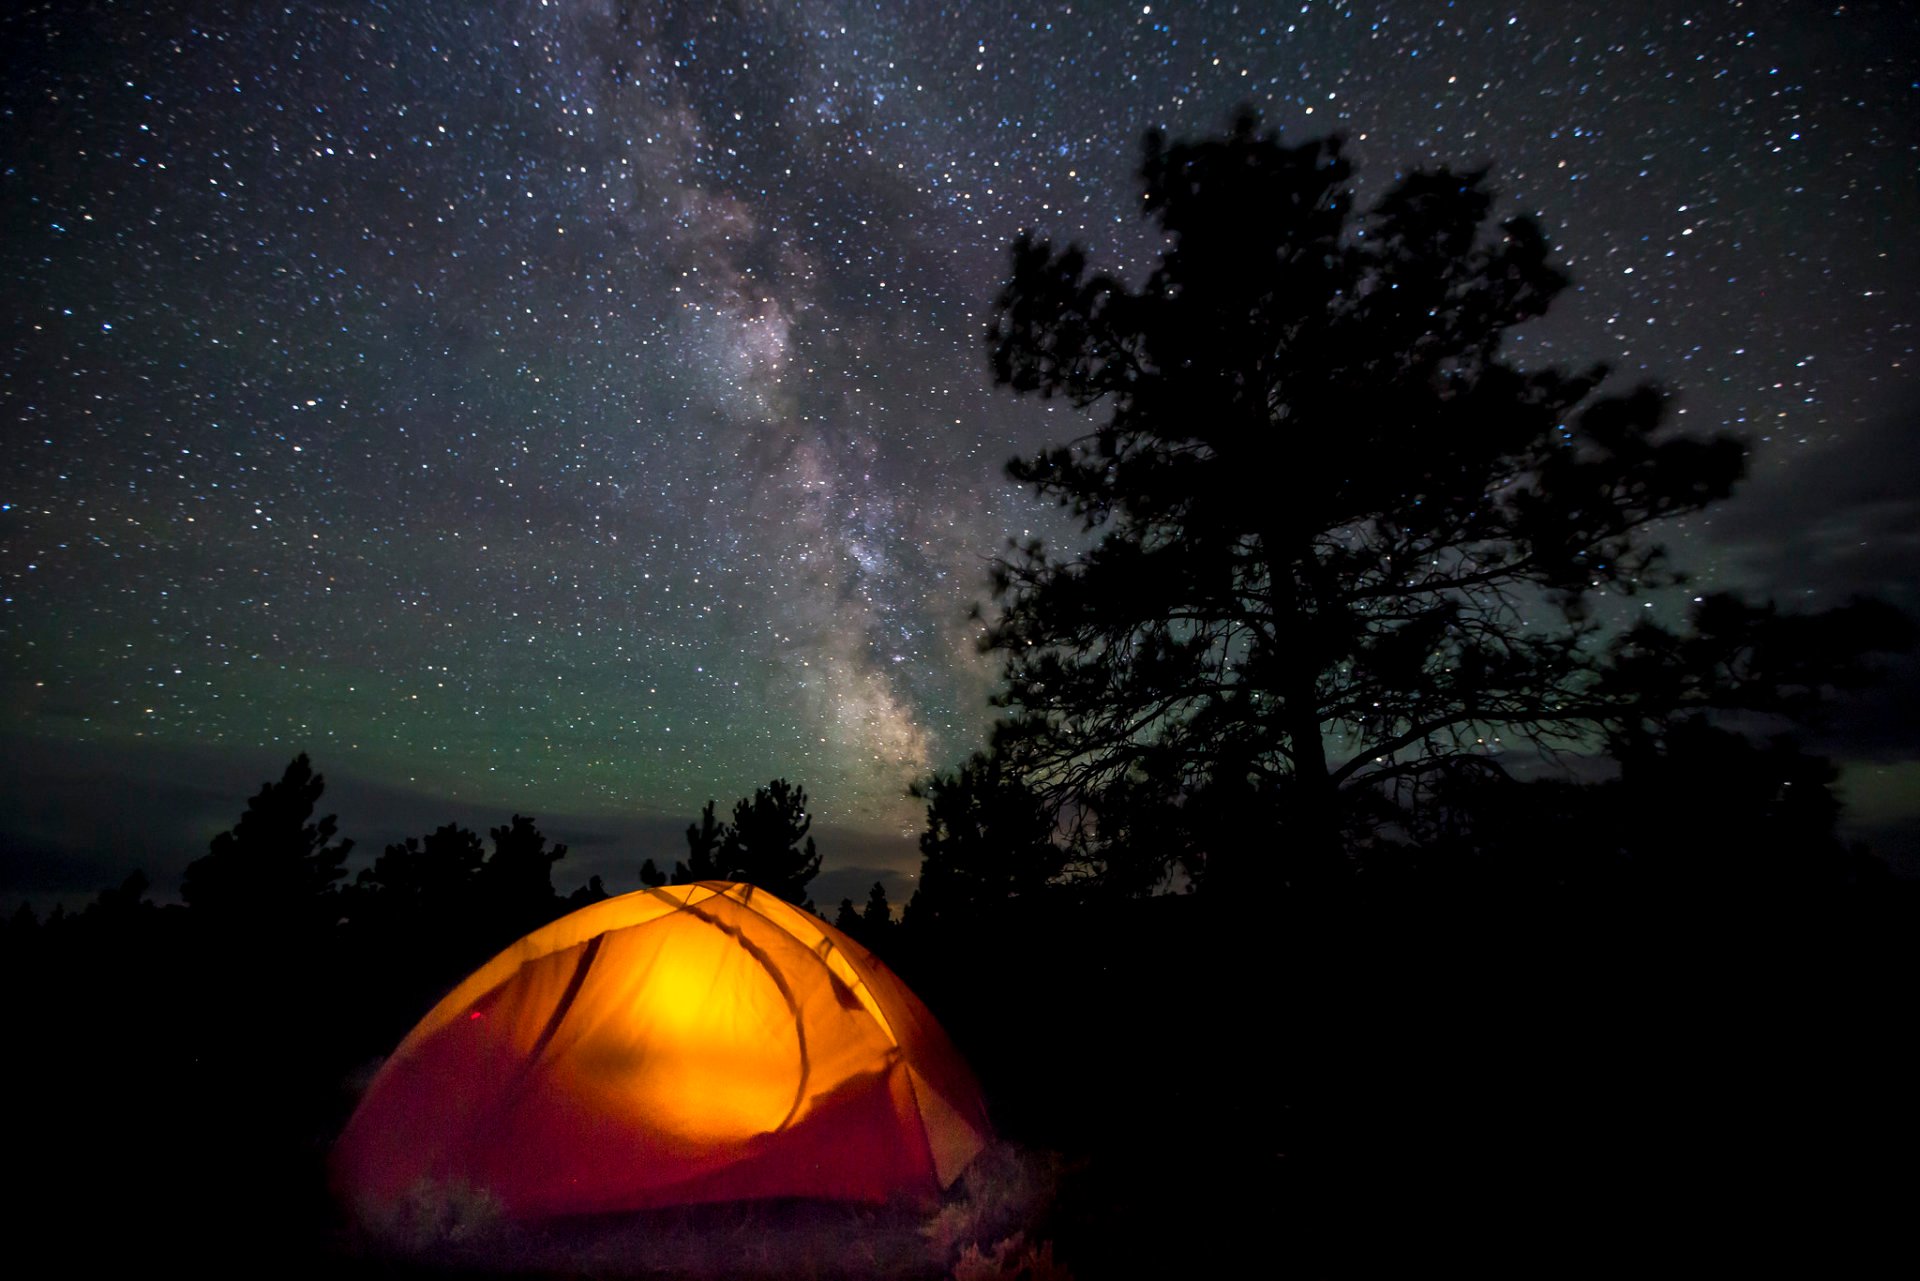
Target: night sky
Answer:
[[581, 408]]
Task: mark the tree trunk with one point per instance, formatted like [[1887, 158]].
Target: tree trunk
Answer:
[[1313, 834], [1312, 853]]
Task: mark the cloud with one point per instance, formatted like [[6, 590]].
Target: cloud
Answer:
[[1835, 520], [1827, 523]]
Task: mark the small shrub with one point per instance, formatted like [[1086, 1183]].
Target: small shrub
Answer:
[[1006, 1191], [1010, 1260], [432, 1215]]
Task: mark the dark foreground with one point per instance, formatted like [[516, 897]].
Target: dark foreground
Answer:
[[1542, 1088]]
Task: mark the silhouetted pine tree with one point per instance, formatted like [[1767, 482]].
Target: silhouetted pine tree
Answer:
[[277, 867], [768, 845], [989, 838], [704, 843], [515, 884], [1340, 542]]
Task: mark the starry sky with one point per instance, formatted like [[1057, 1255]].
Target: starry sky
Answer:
[[580, 408]]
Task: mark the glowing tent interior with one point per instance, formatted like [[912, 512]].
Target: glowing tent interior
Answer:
[[692, 1043]]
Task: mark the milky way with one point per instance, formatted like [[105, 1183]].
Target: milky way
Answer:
[[583, 406]]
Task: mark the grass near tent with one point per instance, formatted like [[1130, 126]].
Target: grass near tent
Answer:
[[989, 1226]]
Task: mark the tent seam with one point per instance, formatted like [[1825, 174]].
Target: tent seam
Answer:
[[878, 1012], [786, 994], [920, 1118]]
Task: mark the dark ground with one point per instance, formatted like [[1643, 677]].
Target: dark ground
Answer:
[[1543, 1089]]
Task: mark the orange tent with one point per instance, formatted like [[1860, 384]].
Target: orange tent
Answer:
[[703, 1042]]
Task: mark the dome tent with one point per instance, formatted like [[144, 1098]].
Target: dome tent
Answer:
[[692, 1043]]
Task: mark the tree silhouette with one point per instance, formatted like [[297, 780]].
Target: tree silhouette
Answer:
[[515, 884], [989, 838], [1750, 658], [762, 846], [876, 918], [704, 842], [767, 843], [1719, 810], [117, 906], [431, 877], [1695, 810], [1341, 545], [873, 925], [276, 866], [592, 892]]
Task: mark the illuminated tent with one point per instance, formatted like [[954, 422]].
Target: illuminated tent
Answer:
[[693, 1043]]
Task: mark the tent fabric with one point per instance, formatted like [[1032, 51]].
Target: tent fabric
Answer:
[[689, 1043]]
